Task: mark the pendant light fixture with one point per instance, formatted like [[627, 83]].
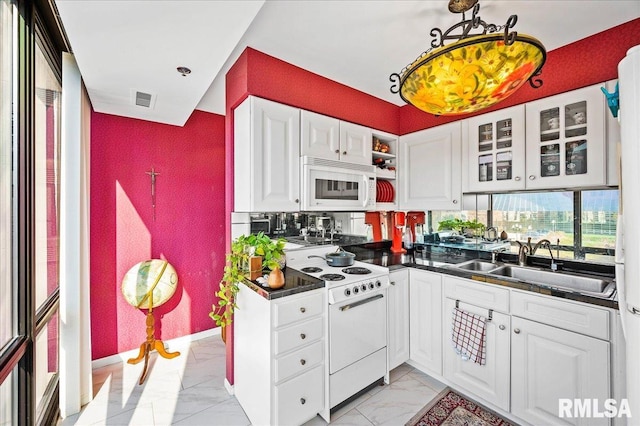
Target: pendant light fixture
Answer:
[[484, 66]]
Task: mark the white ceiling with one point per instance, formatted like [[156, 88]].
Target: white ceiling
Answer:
[[123, 46]]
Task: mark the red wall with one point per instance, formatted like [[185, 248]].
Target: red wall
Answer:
[[189, 230]]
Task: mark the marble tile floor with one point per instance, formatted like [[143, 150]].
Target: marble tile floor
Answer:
[[189, 390]]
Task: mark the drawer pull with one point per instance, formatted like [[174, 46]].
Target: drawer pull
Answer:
[[516, 330], [303, 336], [303, 310], [302, 401], [303, 362]]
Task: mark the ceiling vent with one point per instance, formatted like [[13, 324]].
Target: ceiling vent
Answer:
[[146, 100], [143, 99]]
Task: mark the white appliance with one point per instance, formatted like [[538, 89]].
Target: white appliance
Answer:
[[329, 185], [628, 238], [357, 321]]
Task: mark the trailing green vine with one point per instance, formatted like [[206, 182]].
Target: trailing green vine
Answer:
[[236, 270]]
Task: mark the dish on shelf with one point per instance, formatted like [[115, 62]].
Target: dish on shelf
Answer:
[[550, 131], [486, 132], [505, 128], [576, 126]]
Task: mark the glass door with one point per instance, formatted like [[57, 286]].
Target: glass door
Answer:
[[566, 141], [496, 150]]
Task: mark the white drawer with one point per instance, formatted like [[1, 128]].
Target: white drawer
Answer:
[[296, 309], [297, 335], [560, 313], [298, 361], [476, 293], [299, 399]]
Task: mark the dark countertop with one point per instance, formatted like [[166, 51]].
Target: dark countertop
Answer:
[[294, 282], [379, 253]]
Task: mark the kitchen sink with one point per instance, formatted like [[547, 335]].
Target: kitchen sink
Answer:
[[476, 265], [560, 280]]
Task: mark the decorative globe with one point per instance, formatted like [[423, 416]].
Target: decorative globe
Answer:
[[139, 281]]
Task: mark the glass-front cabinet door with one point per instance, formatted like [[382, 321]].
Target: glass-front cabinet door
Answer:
[[566, 140], [496, 150]]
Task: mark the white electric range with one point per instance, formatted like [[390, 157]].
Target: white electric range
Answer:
[[357, 320]]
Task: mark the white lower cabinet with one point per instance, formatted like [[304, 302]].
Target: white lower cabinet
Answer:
[[398, 328], [490, 381], [279, 357], [425, 312], [550, 363]]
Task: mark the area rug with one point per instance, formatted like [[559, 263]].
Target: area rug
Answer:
[[452, 409]]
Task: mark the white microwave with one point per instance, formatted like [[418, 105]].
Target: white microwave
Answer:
[[331, 185]]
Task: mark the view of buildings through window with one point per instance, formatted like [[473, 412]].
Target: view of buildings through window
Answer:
[[580, 224]]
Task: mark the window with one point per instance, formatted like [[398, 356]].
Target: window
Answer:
[[7, 314], [579, 224]]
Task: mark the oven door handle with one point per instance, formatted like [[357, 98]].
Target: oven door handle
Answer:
[[361, 302]]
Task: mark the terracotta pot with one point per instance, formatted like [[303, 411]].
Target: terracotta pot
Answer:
[[276, 278]]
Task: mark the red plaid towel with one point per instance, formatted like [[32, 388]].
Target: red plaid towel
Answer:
[[467, 336]]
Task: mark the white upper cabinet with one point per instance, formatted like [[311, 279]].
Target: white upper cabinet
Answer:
[[355, 143], [495, 149], [266, 157], [330, 138], [566, 141], [429, 168], [320, 136]]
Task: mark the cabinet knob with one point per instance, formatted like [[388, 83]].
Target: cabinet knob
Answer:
[[303, 362], [303, 310], [516, 330], [531, 177], [303, 336], [297, 200], [392, 283], [501, 327], [344, 152], [302, 401], [337, 151], [517, 178], [455, 201]]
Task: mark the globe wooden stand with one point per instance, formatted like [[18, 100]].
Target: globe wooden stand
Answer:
[[151, 343]]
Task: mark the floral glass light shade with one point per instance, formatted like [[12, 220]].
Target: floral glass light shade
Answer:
[[473, 73]]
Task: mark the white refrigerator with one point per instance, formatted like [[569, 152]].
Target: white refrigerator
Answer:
[[628, 241]]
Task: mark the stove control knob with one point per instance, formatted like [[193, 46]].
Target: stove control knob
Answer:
[[347, 292], [363, 287], [371, 285], [378, 283], [356, 289]]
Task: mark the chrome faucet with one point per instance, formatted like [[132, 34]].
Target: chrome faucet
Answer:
[[525, 249], [547, 244]]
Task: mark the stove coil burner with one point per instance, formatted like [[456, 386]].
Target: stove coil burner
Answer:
[[332, 277], [311, 269], [356, 270]]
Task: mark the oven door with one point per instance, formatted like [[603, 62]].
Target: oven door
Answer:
[[357, 328], [337, 189]]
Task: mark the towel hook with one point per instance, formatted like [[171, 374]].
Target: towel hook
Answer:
[[457, 304]]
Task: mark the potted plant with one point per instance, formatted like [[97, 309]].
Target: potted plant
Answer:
[[462, 227], [237, 270]]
